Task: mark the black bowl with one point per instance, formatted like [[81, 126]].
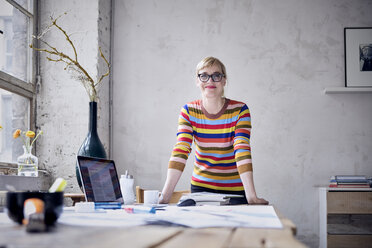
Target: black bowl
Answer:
[[53, 205]]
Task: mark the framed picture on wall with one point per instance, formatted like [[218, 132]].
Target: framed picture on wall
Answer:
[[358, 57]]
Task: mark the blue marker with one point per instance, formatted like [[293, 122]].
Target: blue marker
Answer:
[[107, 205]]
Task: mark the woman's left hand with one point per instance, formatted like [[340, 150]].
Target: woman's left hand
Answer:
[[257, 201]]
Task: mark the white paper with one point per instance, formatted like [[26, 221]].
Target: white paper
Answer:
[[223, 216], [4, 219], [194, 217], [108, 218]]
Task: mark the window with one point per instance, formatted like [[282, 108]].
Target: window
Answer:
[[17, 75]]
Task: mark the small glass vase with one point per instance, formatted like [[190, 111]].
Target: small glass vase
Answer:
[[27, 163]]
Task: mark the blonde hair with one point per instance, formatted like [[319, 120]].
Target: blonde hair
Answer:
[[208, 62]]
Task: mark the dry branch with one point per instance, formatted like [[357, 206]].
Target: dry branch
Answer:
[[72, 64]]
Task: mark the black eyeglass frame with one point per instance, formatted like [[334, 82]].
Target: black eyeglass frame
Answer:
[[211, 76]]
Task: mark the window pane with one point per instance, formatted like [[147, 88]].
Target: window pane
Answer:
[[14, 114], [14, 41], [27, 4]]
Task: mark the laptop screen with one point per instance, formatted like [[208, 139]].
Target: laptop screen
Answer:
[[100, 179]]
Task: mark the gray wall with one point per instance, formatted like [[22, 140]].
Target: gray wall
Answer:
[[279, 55], [62, 103]]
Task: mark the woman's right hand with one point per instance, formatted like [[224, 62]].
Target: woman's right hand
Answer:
[[173, 176]]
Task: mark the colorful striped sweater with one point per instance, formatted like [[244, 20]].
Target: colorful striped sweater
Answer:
[[222, 144]]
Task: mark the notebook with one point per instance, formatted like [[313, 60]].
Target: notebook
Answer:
[[99, 179]]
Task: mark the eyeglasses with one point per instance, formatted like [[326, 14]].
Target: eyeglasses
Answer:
[[216, 77]]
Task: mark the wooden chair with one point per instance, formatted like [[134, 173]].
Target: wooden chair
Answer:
[[174, 199]]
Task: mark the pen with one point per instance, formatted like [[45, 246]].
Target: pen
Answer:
[[140, 210]]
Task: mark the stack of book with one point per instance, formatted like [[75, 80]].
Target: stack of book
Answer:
[[349, 181]]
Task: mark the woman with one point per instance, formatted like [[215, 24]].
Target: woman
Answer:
[[221, 130]]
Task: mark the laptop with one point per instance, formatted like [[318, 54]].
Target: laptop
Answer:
[[99, 180]]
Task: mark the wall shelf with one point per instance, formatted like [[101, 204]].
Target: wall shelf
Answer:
[[342, 90]]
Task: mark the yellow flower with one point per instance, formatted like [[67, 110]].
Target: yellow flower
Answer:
[[28, 137], [30, 134], [17, 133]]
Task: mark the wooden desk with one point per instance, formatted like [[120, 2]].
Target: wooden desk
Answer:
[[12, 235], [75, 197]]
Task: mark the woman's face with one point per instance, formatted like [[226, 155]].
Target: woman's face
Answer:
[[210, 89]]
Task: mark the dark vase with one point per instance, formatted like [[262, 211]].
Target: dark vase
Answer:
[[92, 145]]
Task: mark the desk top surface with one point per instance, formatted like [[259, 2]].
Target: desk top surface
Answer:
[[13, 235]]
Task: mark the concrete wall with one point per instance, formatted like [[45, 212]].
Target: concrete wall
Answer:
[[279, 55], [62, 109]]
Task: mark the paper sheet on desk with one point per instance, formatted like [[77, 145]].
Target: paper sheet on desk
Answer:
[[222, 216], [4, 219], [106, 218], [194, 217]]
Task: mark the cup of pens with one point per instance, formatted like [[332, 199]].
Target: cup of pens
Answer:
[[36, 209], [49, 204]]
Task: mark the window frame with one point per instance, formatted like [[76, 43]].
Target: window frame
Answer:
[[18, 86]]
